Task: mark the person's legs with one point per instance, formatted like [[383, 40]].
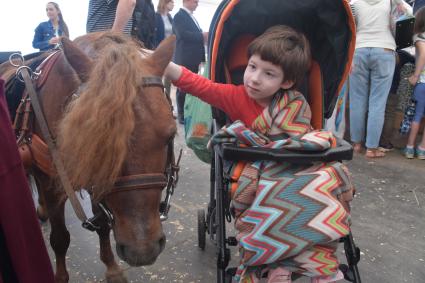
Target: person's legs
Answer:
[[358, 93], [382, 71], [414, 129], [421, 148], [388, 128], [180, 97], [390, 109], [419, 96]]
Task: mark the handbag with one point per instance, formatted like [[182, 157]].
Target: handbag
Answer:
[[197, 125]]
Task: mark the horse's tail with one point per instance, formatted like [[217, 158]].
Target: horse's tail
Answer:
[[95, 133]]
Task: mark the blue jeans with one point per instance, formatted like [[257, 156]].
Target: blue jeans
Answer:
[[370, 83], [419, 95]]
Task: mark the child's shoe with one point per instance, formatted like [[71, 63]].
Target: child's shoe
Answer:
[[279, 275], [420, 152], [409, 152]]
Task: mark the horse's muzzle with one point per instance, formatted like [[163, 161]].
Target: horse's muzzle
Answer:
[[141, 255]]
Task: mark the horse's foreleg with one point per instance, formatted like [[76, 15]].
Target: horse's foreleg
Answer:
[[59, 240], [114, 273]]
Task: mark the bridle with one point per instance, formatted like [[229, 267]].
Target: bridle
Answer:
[[167, 180], [163, 180]]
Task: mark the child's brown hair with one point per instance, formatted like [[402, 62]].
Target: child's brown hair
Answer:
[[285, 47]]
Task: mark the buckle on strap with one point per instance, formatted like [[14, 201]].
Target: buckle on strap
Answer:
[[173, 178], [95, 223]]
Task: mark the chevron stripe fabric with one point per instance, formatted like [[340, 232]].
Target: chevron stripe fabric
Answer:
[[288, 215]]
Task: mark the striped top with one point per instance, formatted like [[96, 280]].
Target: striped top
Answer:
[[101, 16]]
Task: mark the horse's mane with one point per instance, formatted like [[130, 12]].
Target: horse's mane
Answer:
[[95, 133]]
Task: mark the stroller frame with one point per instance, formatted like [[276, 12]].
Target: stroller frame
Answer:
[[330, 29], [218, 211]]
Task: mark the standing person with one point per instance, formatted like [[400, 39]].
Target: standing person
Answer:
[[115, 15], [144, 23], [418, 80], [372, 73], [163, 20], [163, 29], [47, 33], [23, 254], [190, 50]]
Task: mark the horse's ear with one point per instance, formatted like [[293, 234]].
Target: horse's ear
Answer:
[[79, 61], [163, 54]]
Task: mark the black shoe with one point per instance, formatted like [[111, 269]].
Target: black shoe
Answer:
[[386, 147]]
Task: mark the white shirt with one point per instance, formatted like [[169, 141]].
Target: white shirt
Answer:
[[168, 27], [373, 24]]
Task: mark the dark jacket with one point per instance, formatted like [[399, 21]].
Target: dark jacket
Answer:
[[144, 23], [43, 33], [190, 49], [159, 28]]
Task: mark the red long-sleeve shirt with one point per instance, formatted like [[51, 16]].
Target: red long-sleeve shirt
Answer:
[[232, 99]]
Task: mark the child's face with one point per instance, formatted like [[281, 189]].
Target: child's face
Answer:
[[263, 79]]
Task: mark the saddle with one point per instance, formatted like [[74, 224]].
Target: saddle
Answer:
[[32, 149]]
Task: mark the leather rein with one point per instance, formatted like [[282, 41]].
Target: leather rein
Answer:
[[165, 180]]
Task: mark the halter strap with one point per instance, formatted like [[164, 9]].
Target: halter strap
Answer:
[[140, 181], [152, 81]]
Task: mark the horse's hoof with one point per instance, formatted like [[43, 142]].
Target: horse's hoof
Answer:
[[116, 278], [42, 214]]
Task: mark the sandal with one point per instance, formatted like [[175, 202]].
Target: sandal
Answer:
[[357, 147], [374, 153]]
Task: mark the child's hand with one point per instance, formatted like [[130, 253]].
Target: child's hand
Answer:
[[413, 79]]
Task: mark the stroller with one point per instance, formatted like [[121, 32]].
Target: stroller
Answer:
[[329, 27]]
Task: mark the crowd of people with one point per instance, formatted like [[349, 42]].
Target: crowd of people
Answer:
[[372, 83], [139, 19], [375, 76]]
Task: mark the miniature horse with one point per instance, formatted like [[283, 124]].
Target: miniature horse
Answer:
[[117, 127]]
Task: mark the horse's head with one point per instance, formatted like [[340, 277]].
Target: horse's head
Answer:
[[115, 136]]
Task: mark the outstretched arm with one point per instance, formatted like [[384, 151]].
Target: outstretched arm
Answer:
[[173, 71], [123, 14]]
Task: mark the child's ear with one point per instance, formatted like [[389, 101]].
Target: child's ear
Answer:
[[287, 84]]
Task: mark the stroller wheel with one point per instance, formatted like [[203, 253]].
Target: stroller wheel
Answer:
[[202, 227]]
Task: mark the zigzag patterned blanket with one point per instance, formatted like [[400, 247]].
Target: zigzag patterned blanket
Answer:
[[288, 215]]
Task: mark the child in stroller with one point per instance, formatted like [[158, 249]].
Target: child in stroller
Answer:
[[269, 105]]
